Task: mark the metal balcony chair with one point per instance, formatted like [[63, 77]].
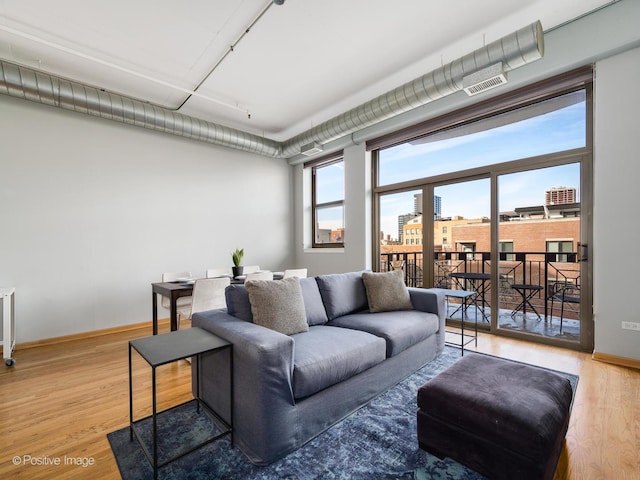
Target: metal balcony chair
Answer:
[[566, 292]]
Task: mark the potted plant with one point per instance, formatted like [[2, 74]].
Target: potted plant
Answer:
[[237, 261]]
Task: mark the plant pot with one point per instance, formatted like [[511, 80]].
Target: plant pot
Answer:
[[237, 271]]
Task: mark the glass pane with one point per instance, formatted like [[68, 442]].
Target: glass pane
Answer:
[[330, 224], [551, 126], [462, 246], [540, 280], [329, 183], [401, 235]]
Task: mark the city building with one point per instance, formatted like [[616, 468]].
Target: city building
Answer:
[[560, 195]]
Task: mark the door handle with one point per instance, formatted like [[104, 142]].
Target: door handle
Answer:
[[584, 254]]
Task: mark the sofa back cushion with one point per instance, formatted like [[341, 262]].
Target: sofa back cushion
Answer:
[[239, 306], [342, 293], [238, 303], [314, 308]]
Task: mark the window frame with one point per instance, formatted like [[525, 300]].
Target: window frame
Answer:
[[314, 165], [580, 78]]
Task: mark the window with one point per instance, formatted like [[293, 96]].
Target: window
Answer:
[[506, 247], [328, 201], [560, 246], [444, 229], [467, 247], [469, 160], [524, 130]]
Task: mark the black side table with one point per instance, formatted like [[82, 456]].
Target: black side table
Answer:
[[464, 296], [159, 350]]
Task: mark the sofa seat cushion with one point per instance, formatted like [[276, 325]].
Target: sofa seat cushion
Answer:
[[400, 330], [325, 355]]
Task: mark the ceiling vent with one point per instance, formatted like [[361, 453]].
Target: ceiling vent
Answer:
[[490, 77], [311, 149]]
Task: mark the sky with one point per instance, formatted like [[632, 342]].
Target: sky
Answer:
[[559, 130], [547, 127]]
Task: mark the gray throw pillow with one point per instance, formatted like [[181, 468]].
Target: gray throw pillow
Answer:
[[386, 292], [278, 305]]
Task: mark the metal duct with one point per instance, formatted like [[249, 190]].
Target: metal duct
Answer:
[[28, 84], [521, 47]]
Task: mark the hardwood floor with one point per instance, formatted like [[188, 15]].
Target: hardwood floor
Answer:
[[59, 402]]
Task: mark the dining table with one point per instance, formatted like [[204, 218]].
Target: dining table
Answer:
[[176, 289]]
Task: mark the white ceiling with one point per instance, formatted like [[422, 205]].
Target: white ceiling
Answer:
[[301, 64]]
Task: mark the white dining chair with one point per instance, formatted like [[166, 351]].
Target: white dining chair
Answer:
[[250, 269], [295, 272], [259, 276], [208, 294], [218, 272], [171, 277]]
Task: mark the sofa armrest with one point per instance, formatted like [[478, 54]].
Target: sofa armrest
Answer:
[[262, 379], [262, 358], [430, 300]]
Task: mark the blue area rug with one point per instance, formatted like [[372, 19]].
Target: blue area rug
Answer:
[[379, 441]]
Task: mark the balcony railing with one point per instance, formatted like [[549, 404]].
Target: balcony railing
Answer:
[[409, 262], [554, 274]]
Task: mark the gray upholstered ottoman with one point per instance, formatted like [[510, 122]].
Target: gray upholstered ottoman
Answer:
[[503, 419]]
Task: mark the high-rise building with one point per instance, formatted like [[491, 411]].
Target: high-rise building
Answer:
[[437, 205], [417, 204], [560, 196], [417, 210]]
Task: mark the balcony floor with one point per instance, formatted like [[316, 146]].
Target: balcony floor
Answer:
[[532, 325]]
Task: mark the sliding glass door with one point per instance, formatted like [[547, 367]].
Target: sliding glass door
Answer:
[[461, 246], [497, 205], [540, 252]]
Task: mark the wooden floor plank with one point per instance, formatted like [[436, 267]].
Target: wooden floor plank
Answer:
[[61, 401]]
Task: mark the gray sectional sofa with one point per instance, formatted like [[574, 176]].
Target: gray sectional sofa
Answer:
[[289, 388]]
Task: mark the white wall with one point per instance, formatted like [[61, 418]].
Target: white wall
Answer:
[[92, 212], [616, 199], [356, 255]]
